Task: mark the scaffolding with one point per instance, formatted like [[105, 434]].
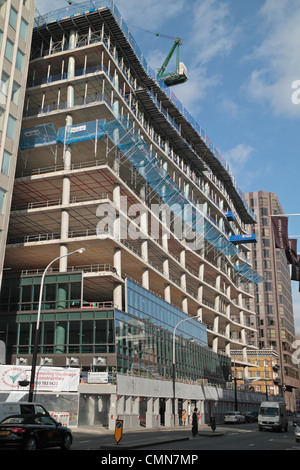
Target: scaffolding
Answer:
[[135, 150]]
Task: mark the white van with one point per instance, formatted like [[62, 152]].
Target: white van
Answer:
[[272, 415], [8, 408]]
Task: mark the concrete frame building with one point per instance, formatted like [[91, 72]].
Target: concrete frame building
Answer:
[[111, 161], [273, 301], [16, 21]]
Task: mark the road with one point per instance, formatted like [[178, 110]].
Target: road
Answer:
[[227, 437], [237, 437]]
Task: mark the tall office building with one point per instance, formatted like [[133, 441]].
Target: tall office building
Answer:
[[16, 21], [111, 161], [273, 299]]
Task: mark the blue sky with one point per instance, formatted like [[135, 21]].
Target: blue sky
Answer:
[[243, 57]]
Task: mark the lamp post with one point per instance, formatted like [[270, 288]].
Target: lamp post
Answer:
[[37, 330], [174, 365]]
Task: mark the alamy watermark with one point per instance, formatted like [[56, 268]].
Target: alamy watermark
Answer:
[[296, 94], [140, 222]]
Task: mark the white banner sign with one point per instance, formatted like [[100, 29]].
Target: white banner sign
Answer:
[[56, 379], [97, 378]]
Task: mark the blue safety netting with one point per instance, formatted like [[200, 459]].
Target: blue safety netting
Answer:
[[245, 270], [81, 132], [135, 149], [46, 134], [37, 136], [140, 156]]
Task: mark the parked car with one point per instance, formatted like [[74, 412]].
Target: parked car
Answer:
[[296, 419], [9, 408], [234, 417], [250, 417], [31, 432], [297, 432]]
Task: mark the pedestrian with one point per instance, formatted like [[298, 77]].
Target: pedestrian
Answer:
[[195, 422], [184, 416]]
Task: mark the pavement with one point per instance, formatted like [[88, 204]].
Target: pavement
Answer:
[[143, 437]]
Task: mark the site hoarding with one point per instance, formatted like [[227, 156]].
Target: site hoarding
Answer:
[[57, 379]]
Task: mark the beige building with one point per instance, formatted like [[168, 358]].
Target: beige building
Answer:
[[273, 301], [262, 376], [16, 22]]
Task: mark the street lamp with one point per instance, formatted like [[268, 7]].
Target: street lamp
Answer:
[[37, 331], [174, 366]]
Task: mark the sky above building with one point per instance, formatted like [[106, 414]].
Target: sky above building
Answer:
[[243, 64]]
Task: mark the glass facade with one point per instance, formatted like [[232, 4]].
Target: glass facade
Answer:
[[73, 330], [144, 340], [141, 337]]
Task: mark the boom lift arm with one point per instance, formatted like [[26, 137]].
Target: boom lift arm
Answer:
[[180, 74]]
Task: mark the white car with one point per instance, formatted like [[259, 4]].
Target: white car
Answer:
[[234, 417], [297, 432]]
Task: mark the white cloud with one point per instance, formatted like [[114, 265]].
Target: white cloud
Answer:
[[149, 15], [277, 57], [212, 33], [239, 159]]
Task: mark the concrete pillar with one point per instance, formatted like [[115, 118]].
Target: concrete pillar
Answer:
[[66, 190], [199, 313], [117, 292], [112, 412], [185, 304], [166, 267], [200, 293], [167, 293], [145, 278], [201, 272], [60, 338], [63, 262]]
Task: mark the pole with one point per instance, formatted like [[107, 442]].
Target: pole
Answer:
[[37, 330], [174, 365]]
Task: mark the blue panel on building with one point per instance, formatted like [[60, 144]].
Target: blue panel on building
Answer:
[[230, 216], [237, 239]]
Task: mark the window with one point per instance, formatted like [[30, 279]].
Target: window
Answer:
[[10, 127], [19, 60], [263, 201], [23, 29], [5, 163], [13, 18], [3, 7], [1, 118], [2, 200], [15, 93], [9, 50], [26, 4], [4, 83]]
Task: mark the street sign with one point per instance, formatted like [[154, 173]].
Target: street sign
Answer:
[[118, 430]]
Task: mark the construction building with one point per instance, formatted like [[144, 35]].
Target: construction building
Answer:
[[16, 21], [273, 300], [111, 161]]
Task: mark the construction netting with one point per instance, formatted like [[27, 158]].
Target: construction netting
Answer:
[[138, 153], [37, 136], [245, 270]]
